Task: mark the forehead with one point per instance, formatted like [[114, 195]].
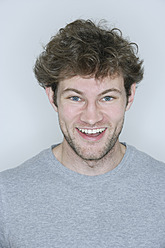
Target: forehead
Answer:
[[86, 84]]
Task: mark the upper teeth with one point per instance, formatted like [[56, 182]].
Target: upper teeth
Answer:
[[90, 131]]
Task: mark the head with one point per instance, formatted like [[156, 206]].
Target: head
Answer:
[[90, 74], [83, 49]]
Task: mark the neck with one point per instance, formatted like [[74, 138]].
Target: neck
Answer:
[[72, 161]]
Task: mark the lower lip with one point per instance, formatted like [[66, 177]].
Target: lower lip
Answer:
[[91, 137]]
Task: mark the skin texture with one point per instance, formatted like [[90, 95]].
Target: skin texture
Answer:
[[90, 105]]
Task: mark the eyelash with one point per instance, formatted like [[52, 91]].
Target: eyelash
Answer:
[[104, 99], [73, 98]]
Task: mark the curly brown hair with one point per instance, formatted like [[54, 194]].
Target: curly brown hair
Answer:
[[86, 49]]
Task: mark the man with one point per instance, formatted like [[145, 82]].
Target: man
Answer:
[[90, 190]]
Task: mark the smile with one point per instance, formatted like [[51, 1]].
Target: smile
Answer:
[[92, 131]]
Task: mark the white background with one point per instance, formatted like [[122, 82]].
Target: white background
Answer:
[[28, 123]]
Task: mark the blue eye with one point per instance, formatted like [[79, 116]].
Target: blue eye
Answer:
[[75, 98], [107, 98]]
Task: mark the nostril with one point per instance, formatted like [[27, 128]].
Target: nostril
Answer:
[[91, 118]]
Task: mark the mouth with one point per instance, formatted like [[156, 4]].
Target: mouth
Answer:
[[94, 134], [92, 131]]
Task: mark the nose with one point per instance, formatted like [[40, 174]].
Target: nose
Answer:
[[91, 114]]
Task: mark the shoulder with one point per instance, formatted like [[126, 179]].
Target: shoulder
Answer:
[[145, 163], [28, 170], [143, 157]]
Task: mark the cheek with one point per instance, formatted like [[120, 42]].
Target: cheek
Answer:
[[115, 115], [68, 114]]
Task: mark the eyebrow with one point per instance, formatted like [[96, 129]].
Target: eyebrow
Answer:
[[102, 93], [110, 90], [72, 89]]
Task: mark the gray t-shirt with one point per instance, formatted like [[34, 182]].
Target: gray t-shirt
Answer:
[[45, 205]]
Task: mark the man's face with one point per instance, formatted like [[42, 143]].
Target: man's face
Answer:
[[91, 114]]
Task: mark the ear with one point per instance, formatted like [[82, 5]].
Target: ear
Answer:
[[131, 97], [50, 95]]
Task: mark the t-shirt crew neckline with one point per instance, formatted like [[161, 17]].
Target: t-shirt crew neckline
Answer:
[[80, 178]]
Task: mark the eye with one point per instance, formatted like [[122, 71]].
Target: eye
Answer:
[[107, 98], [75, 98]]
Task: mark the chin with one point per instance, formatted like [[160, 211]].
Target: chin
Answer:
[[92, 153]]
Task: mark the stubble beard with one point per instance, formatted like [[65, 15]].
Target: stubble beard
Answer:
[[86, 153]]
